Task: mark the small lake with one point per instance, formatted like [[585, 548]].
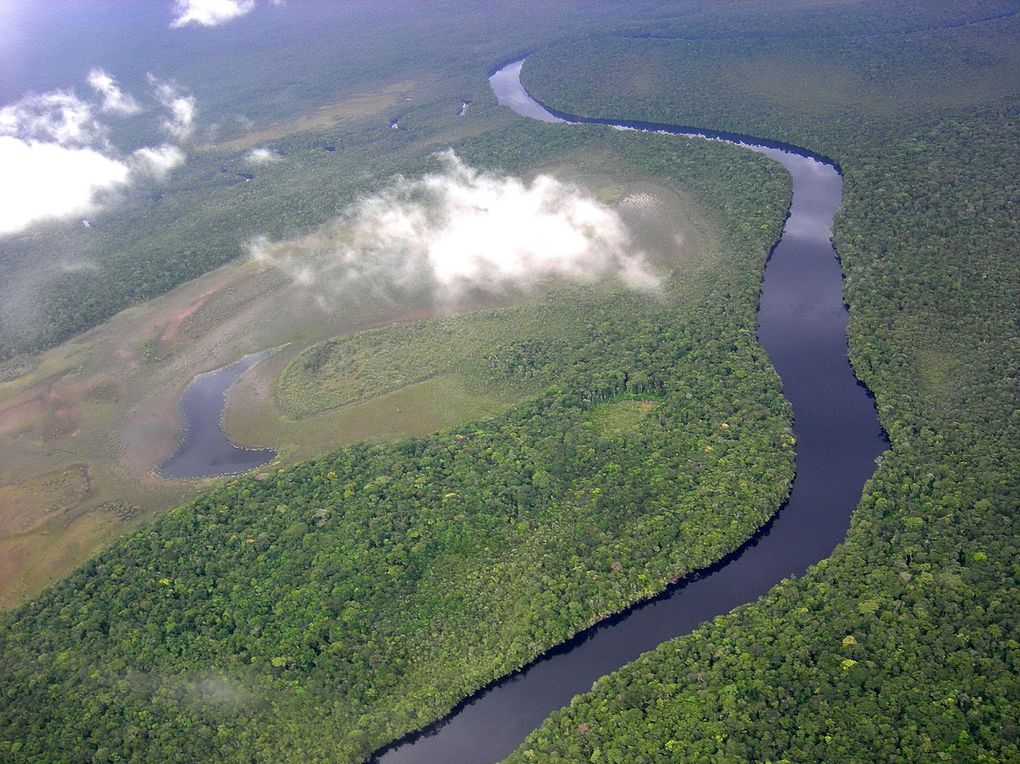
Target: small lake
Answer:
[[205, 450], [802, 325]]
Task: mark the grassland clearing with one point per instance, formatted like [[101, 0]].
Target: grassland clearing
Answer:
[[106, 401], [458, 556], [621, 417], [363, 105]]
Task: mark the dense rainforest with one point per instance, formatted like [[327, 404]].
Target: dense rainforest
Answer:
[[317, 612], [903, 645], [325, 609]]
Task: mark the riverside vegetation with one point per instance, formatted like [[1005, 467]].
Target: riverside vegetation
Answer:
[[322, 610], [903, 645], [314, 88]]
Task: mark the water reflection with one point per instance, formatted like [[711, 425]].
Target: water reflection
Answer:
[[204, 450], [802, 325]]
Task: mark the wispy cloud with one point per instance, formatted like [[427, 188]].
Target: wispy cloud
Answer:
[[209, 13], [181, 107], [115, 100], [462, 230], [56, 157], [58, 116], [157, 161], [263, 155]]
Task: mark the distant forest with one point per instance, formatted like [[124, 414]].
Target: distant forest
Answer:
[[903, 645], [318, 612]]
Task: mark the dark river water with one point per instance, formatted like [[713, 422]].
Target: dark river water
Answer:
[[205, 451], [802, 325]]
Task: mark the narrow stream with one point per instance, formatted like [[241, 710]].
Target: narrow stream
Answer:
[[802, 325]]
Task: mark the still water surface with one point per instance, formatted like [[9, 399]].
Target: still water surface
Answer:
[[205, 451], [802, 325]]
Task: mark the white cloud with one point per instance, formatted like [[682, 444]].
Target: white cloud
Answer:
[[115, 100], [262, 156], [181, 107], [58, 116], [462, 230], [47, 180], [209, 13], [157, 161], [56, 160]]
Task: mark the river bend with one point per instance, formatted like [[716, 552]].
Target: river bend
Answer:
[[802, 325]]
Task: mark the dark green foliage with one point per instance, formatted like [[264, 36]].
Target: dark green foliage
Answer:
[[318, 612], [902, 646]]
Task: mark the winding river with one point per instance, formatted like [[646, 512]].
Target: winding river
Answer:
[[802, 325], [205, 450]]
